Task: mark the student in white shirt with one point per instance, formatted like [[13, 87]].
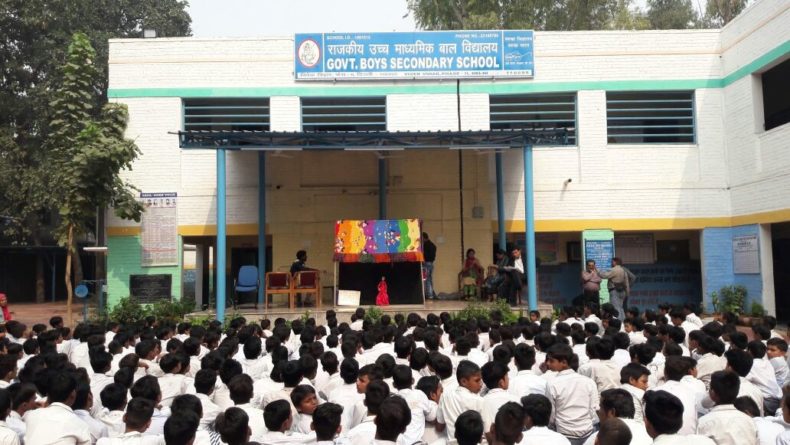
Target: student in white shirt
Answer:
[[618, 404], [326, 423], [741, 363], [393, 419], [776, 351], [508, 425], [526, 382], [23, 399], [205, 381], [240, 388], [278, 419], [537, 410], [422, 410], [137, 419], [253, 364], [784, 438], [601, 368], [633, 379], [233, 426], [574, 397], [83, 402], [468, 428], [710, 360], [173, 383], [691, 316], [148, 388], [375, 393], [148, 351], [57, 423], [7, 435], [724, 423], [305, 400], [663, 419], [495, 377], [767, 429], [464, 397], [677, 371], [114, 402], [181, 429]]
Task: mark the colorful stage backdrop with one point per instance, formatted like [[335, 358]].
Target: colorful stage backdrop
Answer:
[[378, 241]]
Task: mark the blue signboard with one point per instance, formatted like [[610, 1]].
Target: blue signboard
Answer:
[[414, 55], [600, 251]]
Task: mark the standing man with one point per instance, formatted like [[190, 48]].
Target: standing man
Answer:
[[591, 283], [429, 251], [619, 285], [514, 276]]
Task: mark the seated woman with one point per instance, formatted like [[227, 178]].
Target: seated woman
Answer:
[[471, 275]]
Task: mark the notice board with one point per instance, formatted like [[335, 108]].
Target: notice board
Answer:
[[746, 254], [598, 245], [151, 288], [159, 230]]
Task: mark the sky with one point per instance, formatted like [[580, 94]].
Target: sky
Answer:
[[252, 18]]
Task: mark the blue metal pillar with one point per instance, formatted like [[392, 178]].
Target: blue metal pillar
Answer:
[[500, 203], [221, 235], [382, 188], [261, 224], [529, 218]]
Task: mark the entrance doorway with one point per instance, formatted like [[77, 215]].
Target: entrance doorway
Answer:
[[780, 236]]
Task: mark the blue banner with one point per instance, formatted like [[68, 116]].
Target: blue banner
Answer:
[[414, 55]]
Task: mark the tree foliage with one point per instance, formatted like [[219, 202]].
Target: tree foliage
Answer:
[[671, 14], [720, 12], [34, 36]]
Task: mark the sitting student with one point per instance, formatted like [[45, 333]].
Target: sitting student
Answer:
[[763, 377], [432, 388], [181, 429], [776, 351], [613, 432], [137, 420], [495, 377], [422, 409], [148, 350], [725, 424], [173, 383], [740, 363], [767, 430], [633, 378], [304, 398], [710, 359], [190, 404], [148, 388], [392, 420], [526, 382], [784, 438], [205, 380], [508, 425], [466, 396], [240, 388], [23, 399], [663, 419], [573, 396], [113, 398], [678, 372], [7, 435], [537, 410], [83, 403], [278, 419], [233, 426], [619, 404], [468, 428], [327, 381], [326, 423], [375, 393], [602, 369]]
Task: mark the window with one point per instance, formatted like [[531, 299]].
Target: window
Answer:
[[776, 95], [648, 117], [538, 112], [227, 114], [344, 113]]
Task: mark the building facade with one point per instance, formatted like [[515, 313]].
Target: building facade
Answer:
[[667, 146]]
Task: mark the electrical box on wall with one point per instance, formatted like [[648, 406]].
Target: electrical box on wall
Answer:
[[477, 212]]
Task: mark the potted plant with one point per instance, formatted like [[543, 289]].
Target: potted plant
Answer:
[[732, 299]]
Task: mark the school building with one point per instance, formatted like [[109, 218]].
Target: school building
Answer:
[[676, 140]]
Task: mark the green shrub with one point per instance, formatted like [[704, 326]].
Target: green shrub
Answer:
[[757, 310], [173, 310], [732, 299], [476, 310], [373, 314], [127, 311]]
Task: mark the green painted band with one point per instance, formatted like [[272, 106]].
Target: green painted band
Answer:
[[449, 87]]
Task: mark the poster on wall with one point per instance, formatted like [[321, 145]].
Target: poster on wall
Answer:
[[159, 229], [746, 254], [378, 241], [547, 248]]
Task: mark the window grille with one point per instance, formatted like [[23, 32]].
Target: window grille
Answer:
[[344, 113], [226, 114], [538, 112], [645, 117]]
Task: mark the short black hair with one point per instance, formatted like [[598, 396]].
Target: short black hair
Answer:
[[778, 343], [618, 400], [675, 367], [21, 393], [632, 371], [402, 377], [300, 393], [509, 422], [739, 361], [375, 394], [148, 388], [7, 364], [240, 388], [428, 385], [291, 373], [349, 370], [524, 356], [233, 426], [60, 386], [443, 365], [5, 403], [326, 420], [113, 397], [168, 363], [726, 385], [83, 391], [205, 379], [469, 428], [614, 432], [393, 417], [138, 412], [756, 348], [276, 413], [493, 373], [664, 411], [538, 408], [466, 369], [180, 428], [747, 405], [187, 403]]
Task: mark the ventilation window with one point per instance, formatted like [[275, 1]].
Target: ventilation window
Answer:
[[537, 112], [776, 95], [344, 113], [229, 114], [645, 117]]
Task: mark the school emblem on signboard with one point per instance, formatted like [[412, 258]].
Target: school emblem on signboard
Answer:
[[309, 53]]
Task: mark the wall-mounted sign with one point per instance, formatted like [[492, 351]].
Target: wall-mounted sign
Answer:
[[159, 230], [746, 254], [598, 246], [414, 55]]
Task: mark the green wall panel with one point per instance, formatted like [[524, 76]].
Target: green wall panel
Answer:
[[123, 259]]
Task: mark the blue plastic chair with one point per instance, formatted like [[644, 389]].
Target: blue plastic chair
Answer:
[[247, 281]]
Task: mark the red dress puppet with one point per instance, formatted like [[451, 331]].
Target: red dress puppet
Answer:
[[382, 299]]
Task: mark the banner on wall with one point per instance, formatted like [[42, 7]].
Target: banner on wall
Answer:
[[414, 55], [378, 241], [159, 229]]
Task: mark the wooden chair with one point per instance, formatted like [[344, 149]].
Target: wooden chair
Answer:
[[278, 283], [307, 282]]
